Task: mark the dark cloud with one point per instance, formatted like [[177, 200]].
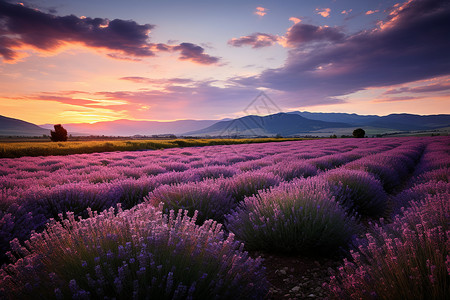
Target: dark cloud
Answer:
[[47, 32], [5, 48], [195, 53], [304, 33], [298, 34], [22, 27], [256, 40], [411, 44]]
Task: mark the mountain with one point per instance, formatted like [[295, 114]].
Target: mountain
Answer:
[[16, 127], [400, 122], [409, 122], [352, 119], [130, 128], [282, 123]]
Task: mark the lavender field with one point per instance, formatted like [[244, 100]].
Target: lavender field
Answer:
[[184, 223]]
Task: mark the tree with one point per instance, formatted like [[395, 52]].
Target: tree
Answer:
[[359, 133], [59, 135]]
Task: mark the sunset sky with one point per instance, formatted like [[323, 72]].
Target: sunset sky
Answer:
[[65, 61]]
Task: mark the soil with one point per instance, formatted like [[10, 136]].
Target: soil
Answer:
[[297, 277]]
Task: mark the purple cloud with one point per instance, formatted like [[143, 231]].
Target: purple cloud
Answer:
[[411, 44], [47, 32], [195, 53], [437, 87], [256, 40], [303, 33], [298, 34], [6, 44], [23, 27]]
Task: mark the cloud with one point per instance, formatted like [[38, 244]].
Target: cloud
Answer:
[[261, 11], [44, 31], [303, 33], [23, 28], [346, 12], [56, 97], [295, 20], [411, 44], [324, 12], [162, 81], [297, 34], [194, 53], [6, 46], [256, 40], [174, 98], [395, 99], [431, 88], [370, 12]]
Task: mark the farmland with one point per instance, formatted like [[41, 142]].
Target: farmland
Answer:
[[209, 222]]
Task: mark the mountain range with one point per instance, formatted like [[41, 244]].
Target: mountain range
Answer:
[[276, 124], [286, 124]]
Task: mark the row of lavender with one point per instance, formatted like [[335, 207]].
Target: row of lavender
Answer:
[[408, 256], [296, 215]]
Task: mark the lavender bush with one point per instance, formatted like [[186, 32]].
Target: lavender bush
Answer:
[[288, 170], [75, 197], [17, 223], [135, 254], [358, 191], [440, 174], [419, 193], [300, 217], [204, 197], [132, 192], [248, 184], [408, 259], [384, 173], [215, 172], [329, 162]]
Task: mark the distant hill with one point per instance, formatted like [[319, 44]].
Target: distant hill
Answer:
[[401, 122], [130, 128], [352, 119], [408, 122], [282, 123], [16, 127]]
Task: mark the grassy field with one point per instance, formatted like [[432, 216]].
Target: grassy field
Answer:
[[40, 148]]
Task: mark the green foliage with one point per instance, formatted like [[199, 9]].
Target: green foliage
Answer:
[[59, 135], [359, 133]]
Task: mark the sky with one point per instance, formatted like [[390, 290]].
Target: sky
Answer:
[[85, 61]]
